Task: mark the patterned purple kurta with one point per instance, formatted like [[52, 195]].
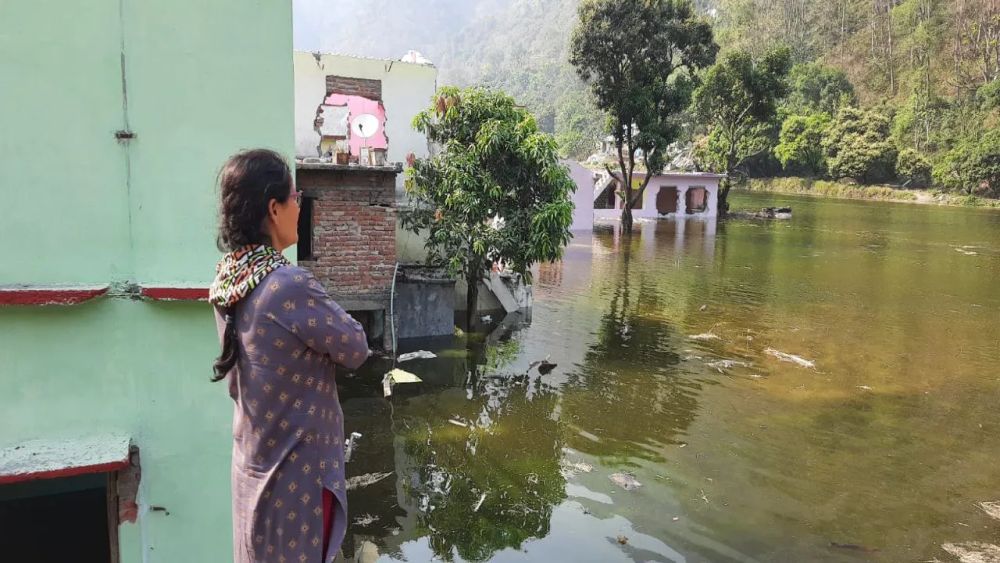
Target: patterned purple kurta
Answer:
[[288, 429]]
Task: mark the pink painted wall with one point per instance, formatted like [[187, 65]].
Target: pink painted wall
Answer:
[[356, 105]]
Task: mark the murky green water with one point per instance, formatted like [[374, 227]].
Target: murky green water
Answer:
[[880, 452]]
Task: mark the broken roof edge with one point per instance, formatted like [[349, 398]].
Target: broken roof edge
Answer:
[[364, 58]]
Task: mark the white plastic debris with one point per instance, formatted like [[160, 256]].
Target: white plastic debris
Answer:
[[799, 360], [396, 377], [704, 336], [480, 503], [418, 355], [458, 423], [359, 481], [991, 508], [349, 445], [973, 552], [727, 364], [626, 481]]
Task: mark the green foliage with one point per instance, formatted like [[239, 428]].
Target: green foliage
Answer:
[[913, 169], [495, 190], [800, 144], [920, 123], [815, 88], [989, 95], [738, 101], [578, 125], [808, 186], [638, 57], [857, 146], [972, 167]]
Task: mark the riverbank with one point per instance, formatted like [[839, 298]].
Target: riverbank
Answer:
[[824, 188]]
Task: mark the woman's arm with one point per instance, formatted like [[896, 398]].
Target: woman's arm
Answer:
[[304, 309]]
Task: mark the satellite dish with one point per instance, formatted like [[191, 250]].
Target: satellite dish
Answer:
[[364, 125]]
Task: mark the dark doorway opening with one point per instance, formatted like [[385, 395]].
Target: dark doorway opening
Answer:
[[305, 244], [696, 200], [56, 520], [666, 200]]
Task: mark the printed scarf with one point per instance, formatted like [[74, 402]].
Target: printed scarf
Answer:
[[239, 272]]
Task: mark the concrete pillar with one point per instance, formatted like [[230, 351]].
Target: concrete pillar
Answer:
[[712, 199]]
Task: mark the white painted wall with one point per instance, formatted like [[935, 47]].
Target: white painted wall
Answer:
[[680, 180], [583, 199], [407, 89]]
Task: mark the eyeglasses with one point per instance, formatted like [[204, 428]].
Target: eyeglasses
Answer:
[[297, 196]]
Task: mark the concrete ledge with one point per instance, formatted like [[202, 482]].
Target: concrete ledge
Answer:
[[394, 168], [50, 459], [362, 304]]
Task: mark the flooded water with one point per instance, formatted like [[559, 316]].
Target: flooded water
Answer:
[[881, 451]]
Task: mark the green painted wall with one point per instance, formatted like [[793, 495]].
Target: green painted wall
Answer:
[[204, 79]]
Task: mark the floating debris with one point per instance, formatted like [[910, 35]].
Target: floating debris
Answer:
[[799, 360], [991, 508], [704, 336], [544, 366], [703, 307], [571, 469], [349, 445], [626, 481], [622, 539], [676, 518], [359, 481], [480, 503], [458, 423], [365, 520], [487, 319], [864, 388], [396, 377], [853, 547], [721, 365], [418, 355], [962, 250], [974, 552]]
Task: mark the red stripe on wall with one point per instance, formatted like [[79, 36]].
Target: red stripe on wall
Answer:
[[64, 472], [49, 296], [176, 293]]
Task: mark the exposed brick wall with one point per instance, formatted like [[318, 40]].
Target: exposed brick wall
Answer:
[[354, 231], [364, 87]]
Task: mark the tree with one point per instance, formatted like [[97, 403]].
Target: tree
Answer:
[[817, 88], [972, 167], [738, 100], [638, 57], [494, 192], [800, 148], [858, 146], [913, 169]]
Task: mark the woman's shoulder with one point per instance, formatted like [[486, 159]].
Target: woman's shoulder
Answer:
[[289, 280]]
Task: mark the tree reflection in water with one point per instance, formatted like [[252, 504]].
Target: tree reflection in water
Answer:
[[488, 485]]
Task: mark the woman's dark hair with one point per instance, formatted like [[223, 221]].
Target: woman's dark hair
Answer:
[[247, 182]]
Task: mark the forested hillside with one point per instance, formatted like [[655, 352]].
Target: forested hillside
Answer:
[[920, 71]]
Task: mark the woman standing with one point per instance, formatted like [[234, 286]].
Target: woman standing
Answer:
[[282, 338]]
